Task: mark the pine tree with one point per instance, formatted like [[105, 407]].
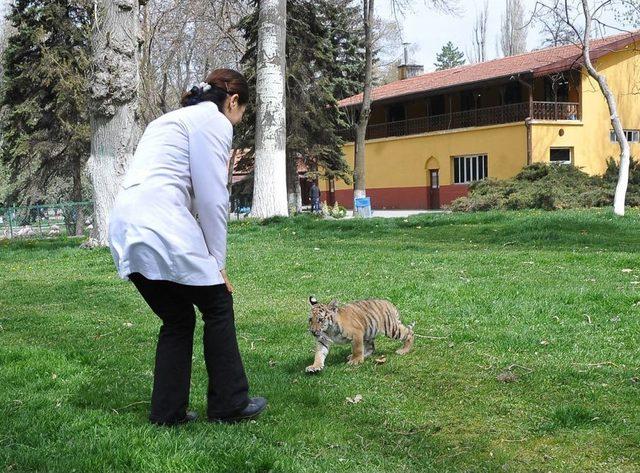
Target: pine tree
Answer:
[[449, 57], [45, 123], [321, 47]]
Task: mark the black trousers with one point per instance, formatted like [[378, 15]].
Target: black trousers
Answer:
[[173, 303]]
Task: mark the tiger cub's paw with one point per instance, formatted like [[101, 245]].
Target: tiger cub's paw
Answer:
[[313, 369], [354, 361]]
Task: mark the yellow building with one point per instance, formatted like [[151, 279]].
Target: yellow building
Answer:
[[432, 134]]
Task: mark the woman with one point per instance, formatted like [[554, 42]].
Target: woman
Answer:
[[168, 235]]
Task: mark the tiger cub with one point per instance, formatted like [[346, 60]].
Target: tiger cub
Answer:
[[357, 322]]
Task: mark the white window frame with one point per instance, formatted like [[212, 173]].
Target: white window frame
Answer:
[[562, 147], [476, 167], [633, 136]]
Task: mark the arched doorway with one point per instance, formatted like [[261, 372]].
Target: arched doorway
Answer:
[[432, 166]]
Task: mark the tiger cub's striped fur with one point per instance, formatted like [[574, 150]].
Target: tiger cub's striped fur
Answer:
[[357, 323]]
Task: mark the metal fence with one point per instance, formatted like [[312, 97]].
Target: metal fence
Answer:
[[37, 221]]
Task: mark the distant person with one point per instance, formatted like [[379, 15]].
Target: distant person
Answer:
[[315, 197], [168, 235]]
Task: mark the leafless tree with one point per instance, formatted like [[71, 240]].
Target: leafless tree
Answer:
[[359, 182], [479, 51], [368, 17], [387, 44], [513, 30], [182, 42], [555, 31], [629, 13], [588, 19]]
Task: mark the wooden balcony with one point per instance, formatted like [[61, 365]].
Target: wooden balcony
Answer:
[[512, 113]]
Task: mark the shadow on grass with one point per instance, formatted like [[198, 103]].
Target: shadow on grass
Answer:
[[18, 244], [596, 229]]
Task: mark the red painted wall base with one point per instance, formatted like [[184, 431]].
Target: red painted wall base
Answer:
[[405, 198]]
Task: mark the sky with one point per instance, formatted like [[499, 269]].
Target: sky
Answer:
[[428, 30]]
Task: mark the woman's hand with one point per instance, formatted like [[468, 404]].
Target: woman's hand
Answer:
[[223, 272]]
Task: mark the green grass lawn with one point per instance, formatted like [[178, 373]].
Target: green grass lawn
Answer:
[[555, 297]]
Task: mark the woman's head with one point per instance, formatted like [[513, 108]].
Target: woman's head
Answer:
[[228, 90]]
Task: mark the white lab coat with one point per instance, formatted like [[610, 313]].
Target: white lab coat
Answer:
[[178, 173]]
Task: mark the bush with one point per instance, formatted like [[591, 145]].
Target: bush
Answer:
[[338, 211], [611, 173], [549, 187]]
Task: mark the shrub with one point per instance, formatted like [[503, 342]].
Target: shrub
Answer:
[[549, 187], [338, 211], [611, 173], [533, 172]]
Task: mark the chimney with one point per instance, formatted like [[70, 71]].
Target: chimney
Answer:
[[407, 70]]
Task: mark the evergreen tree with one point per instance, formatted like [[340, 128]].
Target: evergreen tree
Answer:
[[45, 122], [449, 57], [322, 67], [344, 30]]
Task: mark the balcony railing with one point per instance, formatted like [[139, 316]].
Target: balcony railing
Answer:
[[556, 111], [512, 113]]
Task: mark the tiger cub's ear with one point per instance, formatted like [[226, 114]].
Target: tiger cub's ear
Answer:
[[313, 300], [333, 304]]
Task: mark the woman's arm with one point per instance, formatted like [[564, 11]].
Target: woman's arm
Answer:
[[209, 157]]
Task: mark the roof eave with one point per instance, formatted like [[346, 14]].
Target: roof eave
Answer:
[[576, 62], [441, 90]]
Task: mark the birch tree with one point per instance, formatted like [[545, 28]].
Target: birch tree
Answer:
[[582, 29], [114, 94], [270, 179], [623, 177]]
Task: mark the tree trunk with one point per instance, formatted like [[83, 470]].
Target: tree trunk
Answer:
[[76, 194], [294, 192], [623, 175], [114, 95], [270, 181], [232, 165], [359, 183]]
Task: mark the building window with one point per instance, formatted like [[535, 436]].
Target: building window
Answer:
[[469, 168], [633, 136], [560, 155]]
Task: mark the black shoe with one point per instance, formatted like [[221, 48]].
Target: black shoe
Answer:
[[190, 416], [254, 408]]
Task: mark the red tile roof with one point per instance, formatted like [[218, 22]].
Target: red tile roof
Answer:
[[543, 61]]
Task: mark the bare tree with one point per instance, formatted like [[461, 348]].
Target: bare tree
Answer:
[[270, 180], [629, 13], [479, 51], [555, 31], [583, 26], [114, 94], [387, 44], [184, 41], [368, 17], [359, 182], [513, 31], [623, 177]]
